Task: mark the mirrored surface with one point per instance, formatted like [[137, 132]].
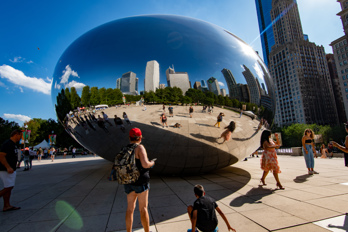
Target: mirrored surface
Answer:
[[122, 65]]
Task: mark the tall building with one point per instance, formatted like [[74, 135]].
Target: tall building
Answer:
[[340, 51], [213, 86], [253, 84], [304, 92], [204, 86], [118, 83], [152, 76], [336, 85], [162, 86], [223, 92], [230, 80], [263, 8], [178, 79], [129, 83], [197, 85]]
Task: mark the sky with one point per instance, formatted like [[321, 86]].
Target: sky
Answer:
[[34, 34]]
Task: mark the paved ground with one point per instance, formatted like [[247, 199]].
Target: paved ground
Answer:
[[75, 195]]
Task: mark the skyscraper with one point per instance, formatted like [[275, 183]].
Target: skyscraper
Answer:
[[152, 76], [230, 80], [263, 8], [197, 85], [253, 84], [129, 83], [118, 83], [213, 86], [178, 79], [303, 89]]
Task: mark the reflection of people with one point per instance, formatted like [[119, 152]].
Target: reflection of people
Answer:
[[343, 148], [330, 149], [323, 151], [308, 150], [269, 160], [8, 161], [139, 189], [164, 119], [226, 135], [219, 119], [125, 117], [202, 213], [119, 123]]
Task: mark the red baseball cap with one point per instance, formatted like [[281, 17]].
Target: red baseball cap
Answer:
[[135, 132]]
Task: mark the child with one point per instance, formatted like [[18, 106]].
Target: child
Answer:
[[202, 213], [228, 132], [219, 119]]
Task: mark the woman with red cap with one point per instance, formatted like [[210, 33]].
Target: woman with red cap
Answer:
[[139, 189]]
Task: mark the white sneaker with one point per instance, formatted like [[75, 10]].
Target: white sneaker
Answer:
[[310, 173], [314, 172]]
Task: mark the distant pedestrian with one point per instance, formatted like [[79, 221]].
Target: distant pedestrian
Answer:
[[269, 160], [191, 111], [170, 109], [219, 119], [8, 161], [40, 154], [65, 152], [52, 153], [31, 157], [241, 113], [164, 108], [164, 119], [73, 153], [343, 148], [26, 159], [119, 123], [125, 117], [226, 135], [101, 124], [106, 118], [308, 150]]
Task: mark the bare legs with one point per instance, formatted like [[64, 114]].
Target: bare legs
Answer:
[[276, 177], [144, 215], [6, 194]]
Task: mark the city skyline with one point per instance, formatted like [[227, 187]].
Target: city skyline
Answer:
[[27, 63]]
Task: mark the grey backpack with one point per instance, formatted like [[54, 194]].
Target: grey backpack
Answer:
[[125, 166]]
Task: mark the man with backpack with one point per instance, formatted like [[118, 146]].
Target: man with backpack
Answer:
[[132, 168]]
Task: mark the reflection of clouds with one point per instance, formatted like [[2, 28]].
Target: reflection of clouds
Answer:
[[17, 59], [64, 80], [221, 84], [258, 71], [246, 49], [75, 84], [17, 77], [21, 89]]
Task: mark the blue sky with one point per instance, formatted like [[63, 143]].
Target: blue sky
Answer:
[[36, 33]]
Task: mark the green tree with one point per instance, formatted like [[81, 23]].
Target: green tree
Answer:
[[196, 95], [75, 99], [95, 100], [85, 96], [150, 97], [67, 95], [102, 95], [161, 95], [6, 127]]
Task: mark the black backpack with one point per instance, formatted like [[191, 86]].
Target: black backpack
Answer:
[[125, 165]]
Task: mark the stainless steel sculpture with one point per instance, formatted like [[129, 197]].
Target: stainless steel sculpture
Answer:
[[168, 50]]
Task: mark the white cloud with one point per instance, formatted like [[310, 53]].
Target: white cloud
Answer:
[[21, 89], [30, 62], [221, 84], [75, 84], [17, 77], [67, 73], [19, 117], [17, 59]]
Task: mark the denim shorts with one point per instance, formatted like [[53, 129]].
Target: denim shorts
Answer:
[[128, 188]]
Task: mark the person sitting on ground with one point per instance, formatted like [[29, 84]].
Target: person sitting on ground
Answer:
[[177, 125], [202, 213], [226, 135]]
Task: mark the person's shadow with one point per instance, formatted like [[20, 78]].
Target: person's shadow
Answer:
[[208, 138], [302, 178], [344, 227], [257, 193], [244, 139]]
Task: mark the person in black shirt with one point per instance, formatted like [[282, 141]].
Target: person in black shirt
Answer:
[[202, 213], [8, 161]]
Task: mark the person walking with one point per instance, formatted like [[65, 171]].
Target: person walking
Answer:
[[226, 135], [53, 153], [8, 161], [343, 148], [269, 160], [26, 159], [164, 119], [323, 151], [40, 154], [219, 119], [140, 189], [308, 150]]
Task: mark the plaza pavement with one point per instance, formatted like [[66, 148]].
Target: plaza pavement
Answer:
[[75, 195]]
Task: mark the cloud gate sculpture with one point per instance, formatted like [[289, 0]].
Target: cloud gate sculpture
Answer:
[[145, 53]]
